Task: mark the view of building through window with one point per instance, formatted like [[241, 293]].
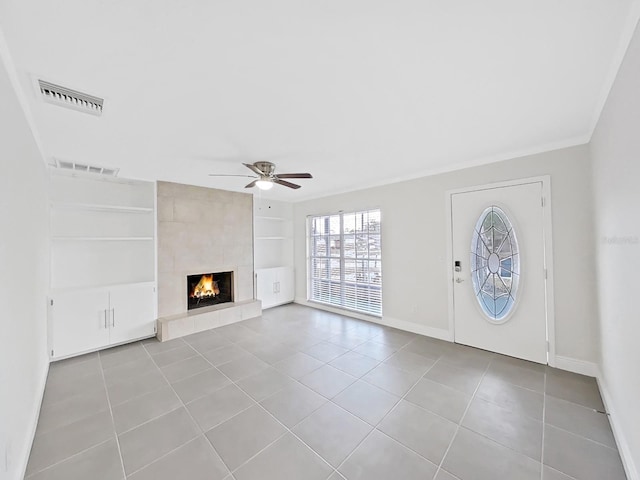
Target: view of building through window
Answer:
[[345, 261]]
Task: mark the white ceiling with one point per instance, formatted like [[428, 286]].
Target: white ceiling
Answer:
[[357, 92]]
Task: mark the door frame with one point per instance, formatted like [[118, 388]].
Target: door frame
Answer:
[[547, 226]]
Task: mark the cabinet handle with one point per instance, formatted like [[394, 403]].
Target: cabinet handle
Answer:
[[105, 318], [113, 317]]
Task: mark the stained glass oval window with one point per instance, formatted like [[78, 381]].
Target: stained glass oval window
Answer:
[[495, 264]]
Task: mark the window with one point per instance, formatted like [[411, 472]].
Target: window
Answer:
[[345, 261], [495, 263]]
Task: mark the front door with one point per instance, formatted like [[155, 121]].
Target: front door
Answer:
[[499, 270]]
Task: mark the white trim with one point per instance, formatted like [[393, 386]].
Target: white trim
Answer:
[[449, 274], [34, 425], [547, 225], [279, 304], [453, 165], [55, 359], [156, 250], [427, 331], [616, 426], [439, 333], [336, 309], [575, 365]]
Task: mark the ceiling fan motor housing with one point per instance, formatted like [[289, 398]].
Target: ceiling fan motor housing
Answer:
[[265, 167]]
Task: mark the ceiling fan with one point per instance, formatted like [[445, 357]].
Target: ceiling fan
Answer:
[[266, 176]]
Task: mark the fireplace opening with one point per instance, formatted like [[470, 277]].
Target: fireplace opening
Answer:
[[206, 289]]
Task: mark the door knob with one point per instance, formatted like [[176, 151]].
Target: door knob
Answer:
[[459, 280]]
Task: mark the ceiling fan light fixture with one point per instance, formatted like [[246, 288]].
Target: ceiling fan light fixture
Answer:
[[264, 184]]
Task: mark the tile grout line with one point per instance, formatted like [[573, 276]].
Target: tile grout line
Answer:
[[79, 420], [459, 425], [165, 413], [48, 467], [381, 362], [494, 358], [538, 421], [505, 408], [184, 406], [287, 429], [582, 437], [113, 423], [375, 428], [324, 363], [135, 397], [403, 397]]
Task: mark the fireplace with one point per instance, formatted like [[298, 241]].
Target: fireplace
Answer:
[[206, 289]]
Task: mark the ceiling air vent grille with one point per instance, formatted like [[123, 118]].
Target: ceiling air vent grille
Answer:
[[81, 167], [70, 98]]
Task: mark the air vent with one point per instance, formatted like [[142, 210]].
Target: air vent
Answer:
[[66, 97], [81, 167]]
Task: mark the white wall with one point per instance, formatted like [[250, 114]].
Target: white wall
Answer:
[[24, 279], [414, 243], [615, 150]]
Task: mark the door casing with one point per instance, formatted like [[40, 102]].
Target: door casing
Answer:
[[548, 248]]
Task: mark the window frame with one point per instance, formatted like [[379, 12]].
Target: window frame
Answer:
[[478, 268], [352, 292]]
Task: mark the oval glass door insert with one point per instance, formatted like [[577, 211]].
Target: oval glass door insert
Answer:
[[495, 264]]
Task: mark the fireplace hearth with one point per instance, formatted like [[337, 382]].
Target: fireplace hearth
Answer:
[[206, 289]]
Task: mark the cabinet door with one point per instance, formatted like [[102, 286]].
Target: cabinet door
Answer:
[[265, 288], [132, 312], [287, 286], [80, 322]]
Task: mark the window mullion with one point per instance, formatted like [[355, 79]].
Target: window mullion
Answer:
[[342, 265]]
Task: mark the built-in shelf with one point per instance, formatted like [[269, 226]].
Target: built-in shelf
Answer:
[[263, 217], [105, 286], [273, 246], [104, 208], [102, 231], [102, 239]]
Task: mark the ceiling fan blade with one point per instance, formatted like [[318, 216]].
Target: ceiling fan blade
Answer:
[[285, 183], [294, 175], [251, 185], [229, 175], [253, 168]]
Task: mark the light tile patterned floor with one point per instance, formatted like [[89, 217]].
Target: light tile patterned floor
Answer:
[[304, 394]]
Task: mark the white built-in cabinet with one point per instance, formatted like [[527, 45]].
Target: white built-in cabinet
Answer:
[[275, 286], [273, 252], [94, 318], [103, 262]]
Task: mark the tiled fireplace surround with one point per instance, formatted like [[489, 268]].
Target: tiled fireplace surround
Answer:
[[203, 230]]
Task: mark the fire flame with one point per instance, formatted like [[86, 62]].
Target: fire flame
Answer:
[[205, 288]]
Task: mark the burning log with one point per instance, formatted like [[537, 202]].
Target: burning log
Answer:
[[205, 288]]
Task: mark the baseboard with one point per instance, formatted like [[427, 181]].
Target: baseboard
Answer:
[[286, 302], [427, 331], [574, 365], [34, 425], [439, 333], [616, 426]]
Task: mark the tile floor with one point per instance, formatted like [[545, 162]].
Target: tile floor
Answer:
[[304, 394]]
